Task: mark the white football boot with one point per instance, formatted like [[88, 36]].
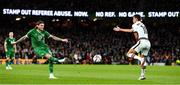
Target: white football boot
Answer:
[[51, 76]]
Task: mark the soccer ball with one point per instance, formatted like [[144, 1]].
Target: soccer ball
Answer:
[[97, 58]]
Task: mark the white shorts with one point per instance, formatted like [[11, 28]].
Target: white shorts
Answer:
[[142, 46]]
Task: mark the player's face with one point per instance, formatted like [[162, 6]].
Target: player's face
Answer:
[[11, 34], [134, 20], [40, 26]]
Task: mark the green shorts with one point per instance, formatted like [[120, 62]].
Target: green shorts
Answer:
[[10, 54], [42, 51]]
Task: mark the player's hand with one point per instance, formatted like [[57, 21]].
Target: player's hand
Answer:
[[116, 28], [65, 40]]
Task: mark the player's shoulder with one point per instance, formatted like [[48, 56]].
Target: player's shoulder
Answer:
[[137, 24], [31, 30], [133, 25], [7, 39], [44, 31]]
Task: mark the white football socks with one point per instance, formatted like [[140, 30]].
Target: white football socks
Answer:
[[143, 72]]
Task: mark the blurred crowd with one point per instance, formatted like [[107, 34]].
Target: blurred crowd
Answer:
[[89, 38]]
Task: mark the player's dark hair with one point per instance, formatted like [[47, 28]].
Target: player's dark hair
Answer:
[[39, 22], [138, 17]]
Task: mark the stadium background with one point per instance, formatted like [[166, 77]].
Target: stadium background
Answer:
[[90, 35]]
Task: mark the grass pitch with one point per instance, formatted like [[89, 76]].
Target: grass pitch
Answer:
[[90, 74]]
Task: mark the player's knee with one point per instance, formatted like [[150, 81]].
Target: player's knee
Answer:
[[8, 59], [48, 56], [142, 56], [50, 60], [130, 55]]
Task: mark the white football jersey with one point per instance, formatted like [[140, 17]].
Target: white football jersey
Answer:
[[140, 28]]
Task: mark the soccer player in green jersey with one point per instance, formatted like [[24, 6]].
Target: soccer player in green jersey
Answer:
[[37, 36], [10, 50]]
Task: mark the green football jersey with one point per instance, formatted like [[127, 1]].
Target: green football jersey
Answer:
[[38, 37], [9, 46]]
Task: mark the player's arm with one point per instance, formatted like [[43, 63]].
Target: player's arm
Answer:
[[135, 36], [15, 48], [21, 39], [122, 30], [5, 47], [58, 39]]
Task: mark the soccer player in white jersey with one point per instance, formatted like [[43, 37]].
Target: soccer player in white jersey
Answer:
[[143, 44]]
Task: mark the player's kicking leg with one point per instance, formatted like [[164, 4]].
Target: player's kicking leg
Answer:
[[51, 61], [131, 54]]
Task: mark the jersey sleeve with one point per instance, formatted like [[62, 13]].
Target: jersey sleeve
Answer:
[[29, 34], [47, 34], [6, 40], [134, 28]]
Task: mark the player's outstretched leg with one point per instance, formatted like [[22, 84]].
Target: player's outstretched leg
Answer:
[[57, 60], [131, 54]]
